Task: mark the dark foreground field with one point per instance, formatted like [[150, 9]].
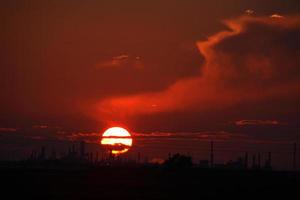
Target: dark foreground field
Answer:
[[145, 183]]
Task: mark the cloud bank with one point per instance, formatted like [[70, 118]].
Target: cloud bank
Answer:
[[255, 59]]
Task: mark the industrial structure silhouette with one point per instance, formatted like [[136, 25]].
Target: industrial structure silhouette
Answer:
[[77, 154]]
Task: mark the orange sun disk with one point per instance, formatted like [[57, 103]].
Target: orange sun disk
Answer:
[[118, 140]]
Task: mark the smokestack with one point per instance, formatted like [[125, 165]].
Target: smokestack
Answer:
[[211, 154]]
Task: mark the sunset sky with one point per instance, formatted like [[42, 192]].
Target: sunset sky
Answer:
[[172, 72]]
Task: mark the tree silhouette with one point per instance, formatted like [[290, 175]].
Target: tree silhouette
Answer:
[[179, 161]]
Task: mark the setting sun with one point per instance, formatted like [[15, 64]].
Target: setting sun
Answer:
[[118, 140]]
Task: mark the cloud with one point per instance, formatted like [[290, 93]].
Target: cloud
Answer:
[[277, 16], [256, 59], [249, 12], [90, 137], [121, 57], [40, 126], [121, 60], [256, 122], [46, 127], [157, 161], [203, 135], [5, 129]]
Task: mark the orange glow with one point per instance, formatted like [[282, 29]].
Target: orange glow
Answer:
[[117, 140]]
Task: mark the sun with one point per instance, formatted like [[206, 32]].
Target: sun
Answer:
[[117, 140]]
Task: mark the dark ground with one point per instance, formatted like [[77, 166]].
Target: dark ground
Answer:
[[146, 183]]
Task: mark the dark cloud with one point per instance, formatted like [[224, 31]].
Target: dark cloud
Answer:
[[257, 59], [50, 49]]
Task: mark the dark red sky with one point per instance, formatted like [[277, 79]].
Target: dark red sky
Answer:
[[152, 66]]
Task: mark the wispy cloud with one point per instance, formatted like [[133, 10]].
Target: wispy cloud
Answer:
[[40, 126], [6, 129], [121, 60], [203, 135], [91, 137], [277, 16], [249, 12], [256, 122]]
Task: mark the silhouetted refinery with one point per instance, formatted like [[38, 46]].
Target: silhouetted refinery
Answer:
[[76, 156], [83, 174]]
